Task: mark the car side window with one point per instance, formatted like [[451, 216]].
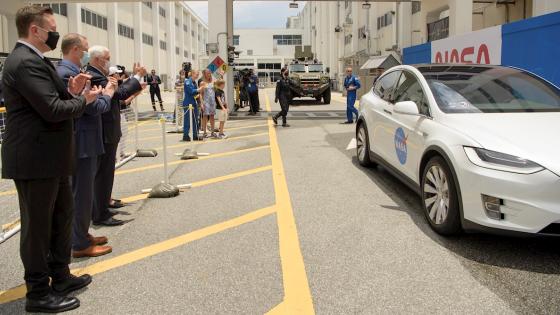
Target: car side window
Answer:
[[385, 86], [409, 89]]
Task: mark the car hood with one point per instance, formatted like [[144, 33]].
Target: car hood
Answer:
[[534, 136]]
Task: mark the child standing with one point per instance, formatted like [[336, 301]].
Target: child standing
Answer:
[[221, 108]]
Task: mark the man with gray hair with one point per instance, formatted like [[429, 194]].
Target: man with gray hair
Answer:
[[89, 147], [99, 70]]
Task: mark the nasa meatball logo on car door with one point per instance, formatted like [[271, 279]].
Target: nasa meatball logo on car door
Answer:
[[400, 145]]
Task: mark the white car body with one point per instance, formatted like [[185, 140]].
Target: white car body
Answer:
[[531, 202]]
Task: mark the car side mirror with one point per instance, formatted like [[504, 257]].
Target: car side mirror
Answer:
[[406, 108]]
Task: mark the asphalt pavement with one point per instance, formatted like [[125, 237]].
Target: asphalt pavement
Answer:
[[285, 221]]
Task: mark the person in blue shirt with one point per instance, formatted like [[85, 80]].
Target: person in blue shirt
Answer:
[[191, 93], [351, 84]]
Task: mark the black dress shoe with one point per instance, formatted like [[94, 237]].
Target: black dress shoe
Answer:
[[115, 204], [52, 303], [70, 284], [110, 222], [347, 122], [275, 120]]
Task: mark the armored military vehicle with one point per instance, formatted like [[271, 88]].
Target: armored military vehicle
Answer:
[[308, 77]]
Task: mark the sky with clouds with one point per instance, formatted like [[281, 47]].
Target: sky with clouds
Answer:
[[253, 14]]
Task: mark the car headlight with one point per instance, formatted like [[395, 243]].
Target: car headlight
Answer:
[[501, 161]]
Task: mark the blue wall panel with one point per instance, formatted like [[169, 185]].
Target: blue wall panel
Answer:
[[417, 54], [534, 44]]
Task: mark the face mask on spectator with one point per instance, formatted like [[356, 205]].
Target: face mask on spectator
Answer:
[[85, 58]]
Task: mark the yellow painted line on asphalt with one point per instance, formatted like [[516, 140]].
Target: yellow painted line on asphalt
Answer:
[[213, 156], [178, 134], [209, 181], [213, 141], [150, 250], [297, 295], [8, 192]]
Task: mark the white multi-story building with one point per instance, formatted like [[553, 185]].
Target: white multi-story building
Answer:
[[159, 35], [348, 33], [266, 50]]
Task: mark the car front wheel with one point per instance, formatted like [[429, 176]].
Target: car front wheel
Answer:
[[440, 198]]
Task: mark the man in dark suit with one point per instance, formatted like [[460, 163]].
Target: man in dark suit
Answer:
[[38, 154], [89, 146], [98, 68], [154, 81]]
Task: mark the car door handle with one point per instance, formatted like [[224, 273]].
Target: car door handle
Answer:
[[388, 111]]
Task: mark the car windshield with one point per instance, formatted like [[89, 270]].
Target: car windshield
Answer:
[[297, 68], [478, 89], [315, 68]]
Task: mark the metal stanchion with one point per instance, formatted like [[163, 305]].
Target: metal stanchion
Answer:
[[163, 189], [191, 122]]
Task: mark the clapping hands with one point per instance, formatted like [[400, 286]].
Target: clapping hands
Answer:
[[76, 84], [91, 94], [139, 70], [111, 87]]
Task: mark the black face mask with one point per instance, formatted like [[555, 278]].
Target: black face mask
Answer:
[[52, 39], [119, 82]]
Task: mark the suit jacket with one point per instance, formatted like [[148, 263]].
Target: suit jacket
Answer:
[[153, 81], [89, 130], [39, 138], [111, 120]]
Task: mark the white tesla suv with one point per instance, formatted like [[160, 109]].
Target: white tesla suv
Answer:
[[480, 144]]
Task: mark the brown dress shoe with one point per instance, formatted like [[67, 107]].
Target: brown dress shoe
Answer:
[[99, 240], [92, 251]]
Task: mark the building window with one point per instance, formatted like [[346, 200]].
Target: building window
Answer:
[[438, 29], [362, 32], [177, 51], [161, 11], [235, 40], [126, 31], [94, 19], [346, 4], [249, 52], [193, 56], [58, 8], [287, 39], [147, 39], [416, 7], [186, 54], [273, 66], [348, 39], [176, 22], [148, 4], [185, 28], [192, 33], [385, 20], [162, 45]]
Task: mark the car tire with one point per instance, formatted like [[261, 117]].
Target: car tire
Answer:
[[327, 96], [440, 199], [362, 146]]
